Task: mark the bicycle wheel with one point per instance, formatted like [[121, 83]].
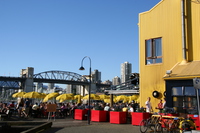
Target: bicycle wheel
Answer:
[[143, 126], [158, 128], [174, 128]]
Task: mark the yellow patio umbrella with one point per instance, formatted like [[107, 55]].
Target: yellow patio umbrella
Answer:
[[42, 95], [64, 97], [50, 96], [133, 97], [32, 94], [108, 100], [92, 96], [19, 94], [71, 94], [129, 99], [121, 98], [103, 96], [78, 96], [126, 99]]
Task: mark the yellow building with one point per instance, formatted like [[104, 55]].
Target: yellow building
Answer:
[[169, 53]]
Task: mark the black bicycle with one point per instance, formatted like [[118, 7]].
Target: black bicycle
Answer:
[[149, 124]]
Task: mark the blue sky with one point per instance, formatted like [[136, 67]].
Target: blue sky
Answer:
[[57, 34]]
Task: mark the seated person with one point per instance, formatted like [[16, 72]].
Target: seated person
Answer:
[[130, 108], [125, 109], [107, 107], [4, 109], [35, 110]]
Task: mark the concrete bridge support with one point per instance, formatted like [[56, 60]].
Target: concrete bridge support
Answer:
[[28, 73]]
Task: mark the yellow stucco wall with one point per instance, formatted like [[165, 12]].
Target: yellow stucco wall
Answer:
[[164, 20]]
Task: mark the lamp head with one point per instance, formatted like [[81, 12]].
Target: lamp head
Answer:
[[81, 68], [168, 72]]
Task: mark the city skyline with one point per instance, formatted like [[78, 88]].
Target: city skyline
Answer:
[[56, 35]]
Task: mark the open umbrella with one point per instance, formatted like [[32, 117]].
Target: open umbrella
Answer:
[[32, 94], [78, 96], [19, 94], [108, 100], [133, 97], [50, 96], [92, 96], [64, 97], [103, 96], [42, 95], [121, 97]]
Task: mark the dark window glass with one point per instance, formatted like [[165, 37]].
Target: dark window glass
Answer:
[[190, 91], [184, 99]]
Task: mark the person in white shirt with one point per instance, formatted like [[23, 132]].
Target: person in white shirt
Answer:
[[130, 108], [148, 105], [107, 107]]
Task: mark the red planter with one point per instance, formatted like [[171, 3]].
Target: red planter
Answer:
[[118, 117], [99, 115], [80, 114], [137, 117]]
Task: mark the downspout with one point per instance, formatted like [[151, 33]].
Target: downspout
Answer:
[[183, 32]]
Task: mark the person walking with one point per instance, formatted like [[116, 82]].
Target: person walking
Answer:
[[20, 106], [27, 107]]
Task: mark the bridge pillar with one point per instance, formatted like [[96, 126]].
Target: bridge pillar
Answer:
[[39, 87], [82, 90], [93, 88], [28, 73], [51, 87]]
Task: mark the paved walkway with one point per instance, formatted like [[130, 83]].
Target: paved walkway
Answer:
[[69, 125], [78, 126]]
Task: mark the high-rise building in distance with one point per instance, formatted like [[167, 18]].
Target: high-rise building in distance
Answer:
[[116, 80], [126, 70], [96, 76]]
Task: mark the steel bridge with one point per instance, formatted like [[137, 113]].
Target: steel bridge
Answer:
[[59, 77]]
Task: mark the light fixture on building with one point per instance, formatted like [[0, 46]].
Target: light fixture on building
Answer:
[[168, 72], [155, 94], [164, 93]]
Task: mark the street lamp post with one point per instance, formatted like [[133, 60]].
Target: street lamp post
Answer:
[[89, 90]]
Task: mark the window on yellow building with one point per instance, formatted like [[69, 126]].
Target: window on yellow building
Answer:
[[153, 51], [184, 99]]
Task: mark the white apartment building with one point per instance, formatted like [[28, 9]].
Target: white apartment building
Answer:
[[126, 70], [116, 80]]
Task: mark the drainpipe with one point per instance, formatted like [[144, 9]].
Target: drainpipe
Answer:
[[183, 32]]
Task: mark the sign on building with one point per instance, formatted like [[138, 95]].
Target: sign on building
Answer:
[[196, 83]]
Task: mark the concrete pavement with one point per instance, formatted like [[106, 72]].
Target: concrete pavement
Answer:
[[69, 125]]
